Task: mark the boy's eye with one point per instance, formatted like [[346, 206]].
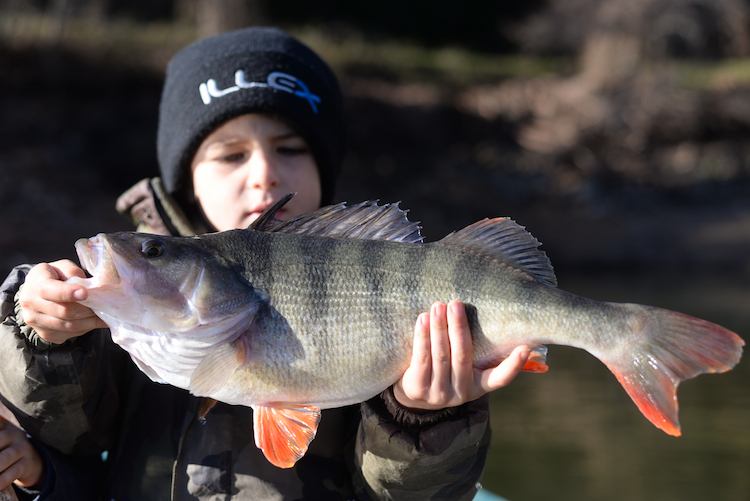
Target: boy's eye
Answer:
[[231, 158], [292, 150]]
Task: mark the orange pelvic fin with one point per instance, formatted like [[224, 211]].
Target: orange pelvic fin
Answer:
[[537, 361], [284, 431], [673, 347], [206, 404]]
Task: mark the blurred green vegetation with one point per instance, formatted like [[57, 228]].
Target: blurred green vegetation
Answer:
[[151, 43], [412, 62], [713, 75]]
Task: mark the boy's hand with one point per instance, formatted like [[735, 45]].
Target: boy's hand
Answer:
[[20, 462], [442, 372], [49, 305]]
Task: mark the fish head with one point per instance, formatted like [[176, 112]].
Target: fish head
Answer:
[[161, 283]]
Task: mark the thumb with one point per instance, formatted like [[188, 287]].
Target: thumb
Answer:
[[502, 375]]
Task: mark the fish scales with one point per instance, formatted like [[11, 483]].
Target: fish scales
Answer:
[[380, 288], [294, 317], [356, 322]]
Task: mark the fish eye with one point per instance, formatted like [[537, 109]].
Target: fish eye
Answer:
[[152, 248]]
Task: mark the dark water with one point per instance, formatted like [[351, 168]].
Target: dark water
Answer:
[[574, 434]]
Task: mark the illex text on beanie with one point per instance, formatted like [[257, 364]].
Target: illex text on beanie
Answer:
[[254, 70]]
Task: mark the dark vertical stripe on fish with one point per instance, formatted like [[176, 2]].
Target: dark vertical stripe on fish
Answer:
[[262, 262], [375, 257], [460, 271], [317, 277], [416, 270]]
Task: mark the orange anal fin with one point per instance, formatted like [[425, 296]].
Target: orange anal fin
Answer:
[[284, 431], [535, 366], [537, 361]]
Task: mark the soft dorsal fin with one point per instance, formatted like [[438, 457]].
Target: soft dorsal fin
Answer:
[[364, 221], [506, 241]]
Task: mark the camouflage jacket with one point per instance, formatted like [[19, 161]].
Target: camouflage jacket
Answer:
[[85, 396]]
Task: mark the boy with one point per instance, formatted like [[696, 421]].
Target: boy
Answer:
[[246, 117]]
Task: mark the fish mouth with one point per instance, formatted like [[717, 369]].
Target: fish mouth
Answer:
[[95, 255]]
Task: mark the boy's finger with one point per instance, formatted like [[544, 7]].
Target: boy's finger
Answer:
[[61, 292], [67, 311], [503, 374], [47, 282], [440, 348], [421, 360], [67, 269], [462, 352], [57, 330]]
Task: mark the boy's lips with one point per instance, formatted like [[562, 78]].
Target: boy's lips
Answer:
[[258, 210]]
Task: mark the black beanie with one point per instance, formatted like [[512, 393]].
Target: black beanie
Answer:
[[253, 70]]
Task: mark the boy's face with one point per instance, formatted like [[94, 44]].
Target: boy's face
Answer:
[[247, 164]]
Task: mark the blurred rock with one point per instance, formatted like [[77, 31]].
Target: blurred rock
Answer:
[[668, 28]]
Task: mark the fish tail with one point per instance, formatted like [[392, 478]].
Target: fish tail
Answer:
[[675, 347]]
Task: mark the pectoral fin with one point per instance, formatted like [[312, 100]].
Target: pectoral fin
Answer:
[[216, 368], [283, 432]]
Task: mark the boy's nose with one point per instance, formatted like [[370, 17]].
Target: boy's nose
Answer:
[[262, 172]]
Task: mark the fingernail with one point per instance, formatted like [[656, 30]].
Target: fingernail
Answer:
[[79, 295]]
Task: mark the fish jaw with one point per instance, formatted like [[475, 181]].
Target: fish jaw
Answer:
[[110, 288], [126, 285], [106, 289], [95, 255], [176, 322]]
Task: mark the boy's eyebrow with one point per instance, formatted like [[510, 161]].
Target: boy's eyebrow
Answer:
[[235, 140], [219, 143], [287, 135]]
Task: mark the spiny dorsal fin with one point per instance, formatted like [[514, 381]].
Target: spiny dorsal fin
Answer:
[[506, 241], [267, 220], [364, 221]]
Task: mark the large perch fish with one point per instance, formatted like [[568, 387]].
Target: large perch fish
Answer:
[[318, 312]]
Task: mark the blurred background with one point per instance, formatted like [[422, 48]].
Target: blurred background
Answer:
[[614, 131]]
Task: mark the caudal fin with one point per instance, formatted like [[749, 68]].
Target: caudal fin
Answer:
[[673, 347]]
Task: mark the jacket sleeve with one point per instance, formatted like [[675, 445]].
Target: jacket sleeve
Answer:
[[66, 477], [69, 395], [439, 456], [58, 393]]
